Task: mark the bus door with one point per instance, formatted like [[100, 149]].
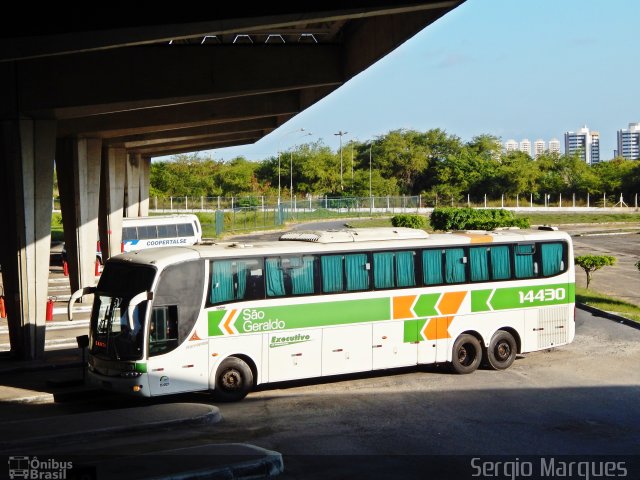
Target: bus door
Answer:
[[178, 352]]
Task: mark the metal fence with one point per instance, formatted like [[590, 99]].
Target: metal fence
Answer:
[[220, 214]]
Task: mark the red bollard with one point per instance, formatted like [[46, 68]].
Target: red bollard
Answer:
[[3, 311], [65, 268], [97, 267], [122, 247], [49, 315]]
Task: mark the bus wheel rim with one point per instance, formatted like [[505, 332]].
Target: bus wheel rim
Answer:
[[503, 351], [231, 380]]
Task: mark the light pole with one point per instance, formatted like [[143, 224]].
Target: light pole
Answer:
[[291, 168], [340, 134], [279, 156], [370, 146]]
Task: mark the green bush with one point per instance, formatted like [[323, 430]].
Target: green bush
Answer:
[[451, 218], [409, 221]]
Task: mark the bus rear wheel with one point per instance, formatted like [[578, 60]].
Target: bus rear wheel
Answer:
[[502, 350], [467, 354], [234, 380]]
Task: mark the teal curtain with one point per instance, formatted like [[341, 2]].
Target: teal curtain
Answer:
[[432, 267], [500, 263], [383, 270], [551, 258], [479, 264], [301, 273], [241, 273], [454, 268], [332, 280], [221, 282], [405, 270], [524, 261], [274, 277], [357, 274]]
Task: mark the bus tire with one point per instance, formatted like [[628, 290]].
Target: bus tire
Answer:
[[467, 354], [234, 380], [502, 350]]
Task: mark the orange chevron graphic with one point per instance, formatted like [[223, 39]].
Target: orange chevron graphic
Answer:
[[437, 328], [226, 325], [194, 337], [402, 307], [450, 302]]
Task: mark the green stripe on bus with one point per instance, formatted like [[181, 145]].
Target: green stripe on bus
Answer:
[[522, 297], [215, 317], [310, 315]]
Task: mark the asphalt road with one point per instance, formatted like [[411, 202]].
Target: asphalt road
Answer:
[[579, 399]]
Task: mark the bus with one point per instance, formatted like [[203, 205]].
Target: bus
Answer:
[[230, 316], [160, 231]]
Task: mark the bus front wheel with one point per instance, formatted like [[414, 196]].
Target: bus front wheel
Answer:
[[234, 380], [467, 354], [502, 350]]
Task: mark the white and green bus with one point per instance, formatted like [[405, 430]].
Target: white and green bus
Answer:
[[227, 317]]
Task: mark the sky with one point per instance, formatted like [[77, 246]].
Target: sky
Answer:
[[510, 68]]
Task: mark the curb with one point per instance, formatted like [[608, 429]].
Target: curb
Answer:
[[203, 415], [608, 315]]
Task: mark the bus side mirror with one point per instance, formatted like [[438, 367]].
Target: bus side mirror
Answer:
[[134, 302], [76, 295]]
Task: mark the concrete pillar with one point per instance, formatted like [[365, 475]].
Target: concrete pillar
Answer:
[[112, 177], [78, 163], [144, 165], [27, 149], [132, 195]]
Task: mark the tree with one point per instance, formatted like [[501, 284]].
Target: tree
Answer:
[[637, 264], [592, 263]]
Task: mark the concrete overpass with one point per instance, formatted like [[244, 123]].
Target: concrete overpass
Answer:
[[103, 94]]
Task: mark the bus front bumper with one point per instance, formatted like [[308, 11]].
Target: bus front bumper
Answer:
[[138, 386]]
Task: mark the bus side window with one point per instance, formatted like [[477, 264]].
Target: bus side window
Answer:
[[129, 233], [163, 330], [455, 265], [432, 267], [525, 266], [185, 230], [479, 264], [290, 276], [236, 279], [394, 269], [552, 258], [167, 231]]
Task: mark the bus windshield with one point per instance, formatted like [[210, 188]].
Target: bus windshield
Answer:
[[113, 336]]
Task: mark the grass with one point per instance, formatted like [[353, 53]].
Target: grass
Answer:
[[608, 304], [555, 218]]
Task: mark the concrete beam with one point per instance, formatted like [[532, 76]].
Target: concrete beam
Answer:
[[120, 79], [78, 163], [195, 114], [191, 148], [112, 180], [178, 134], [367, 41], [221, 141], [27, 149], [136, 28]]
